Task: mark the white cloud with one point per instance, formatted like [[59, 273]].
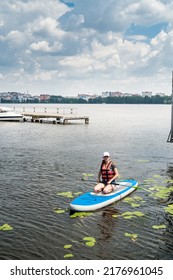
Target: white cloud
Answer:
[[94, 45], [44, 47]]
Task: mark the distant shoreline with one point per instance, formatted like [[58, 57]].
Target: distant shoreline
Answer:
[[137, 99]]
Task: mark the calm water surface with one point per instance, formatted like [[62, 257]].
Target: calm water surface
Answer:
[[39, 161]]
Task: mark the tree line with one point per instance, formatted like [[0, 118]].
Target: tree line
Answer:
[[133, 99]]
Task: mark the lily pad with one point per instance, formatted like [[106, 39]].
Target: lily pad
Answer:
[[156, 176], [138, 198], [135, 205], [169, 209], [77, 193], [90, 244], [90, 241], [138, 214], [126, 213], [89, 238], [81, 214], [168, 181], [128, 199], [160, 192], [68, 246], [150, 181], [66, 194], [134, 201], [157, 188], [68, 256], [88, 174], [133, 236], [6, 227], [130, 215], [158, 227], [143, 160], [59, 211], [115, 216]]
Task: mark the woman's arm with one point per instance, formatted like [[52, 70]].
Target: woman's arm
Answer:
[[115, 176]]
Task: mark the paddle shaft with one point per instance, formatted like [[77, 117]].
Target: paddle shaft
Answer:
[[135, 187], [95, 181]]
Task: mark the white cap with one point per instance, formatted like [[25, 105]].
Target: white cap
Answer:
[[106, 154]]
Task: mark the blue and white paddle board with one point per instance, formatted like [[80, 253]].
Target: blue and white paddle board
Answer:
[[92, 201]]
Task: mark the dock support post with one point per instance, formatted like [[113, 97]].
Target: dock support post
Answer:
[[65, 121], [170, 136], [86, 120]]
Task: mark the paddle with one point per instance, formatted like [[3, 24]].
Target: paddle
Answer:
[[135, 187], [95, 181]]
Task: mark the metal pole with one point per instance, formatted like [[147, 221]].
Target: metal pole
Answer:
[[172, 108], [170, 137]]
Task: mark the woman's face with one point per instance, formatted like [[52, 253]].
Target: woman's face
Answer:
[[105, 158]]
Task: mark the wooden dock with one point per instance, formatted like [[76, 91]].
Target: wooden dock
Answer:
[[54, 117]]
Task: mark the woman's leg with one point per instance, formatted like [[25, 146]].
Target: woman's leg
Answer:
[[109, 188], [99, 187]]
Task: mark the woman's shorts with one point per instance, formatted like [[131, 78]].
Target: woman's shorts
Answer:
[[105, 182]]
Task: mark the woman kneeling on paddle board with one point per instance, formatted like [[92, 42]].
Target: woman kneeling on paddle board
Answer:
[[109, 172]]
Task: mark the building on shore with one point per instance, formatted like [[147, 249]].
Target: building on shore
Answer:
[[147, 93], [87, 96]]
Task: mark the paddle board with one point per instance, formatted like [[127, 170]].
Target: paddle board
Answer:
[[92, 201]]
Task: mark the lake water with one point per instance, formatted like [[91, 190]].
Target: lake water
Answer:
[[40, 161]]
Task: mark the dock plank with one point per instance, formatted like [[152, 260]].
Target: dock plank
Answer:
[[59, 117]]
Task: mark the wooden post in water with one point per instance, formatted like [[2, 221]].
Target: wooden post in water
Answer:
[[170, 137]]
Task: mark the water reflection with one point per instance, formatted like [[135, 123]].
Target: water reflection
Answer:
[[107, 223], [169, 172], [167, 236]]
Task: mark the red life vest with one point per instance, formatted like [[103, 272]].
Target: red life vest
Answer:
[[107, 171]]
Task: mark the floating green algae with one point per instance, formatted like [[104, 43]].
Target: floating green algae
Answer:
[[89, 238], [161, 191], [168, 181], [115, 216], [169, 209], [135, 205], [68, 246], [90, 241], [130, 215], [6, 227], [81, 214], [156, 188], [66, 194], [143, 160], [138, 213], [69, 194], [156, 176], [134, 201], [162, 194], [151, 180], [68, 256], [133, 236], [90, 244], [158, 227], [87, 174], [59, 211], [138, 198], [77, 193]]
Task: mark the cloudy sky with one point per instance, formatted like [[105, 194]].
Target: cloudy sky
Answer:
[[86, 46]]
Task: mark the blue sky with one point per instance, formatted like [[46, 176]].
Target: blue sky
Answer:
[[66, 47]]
